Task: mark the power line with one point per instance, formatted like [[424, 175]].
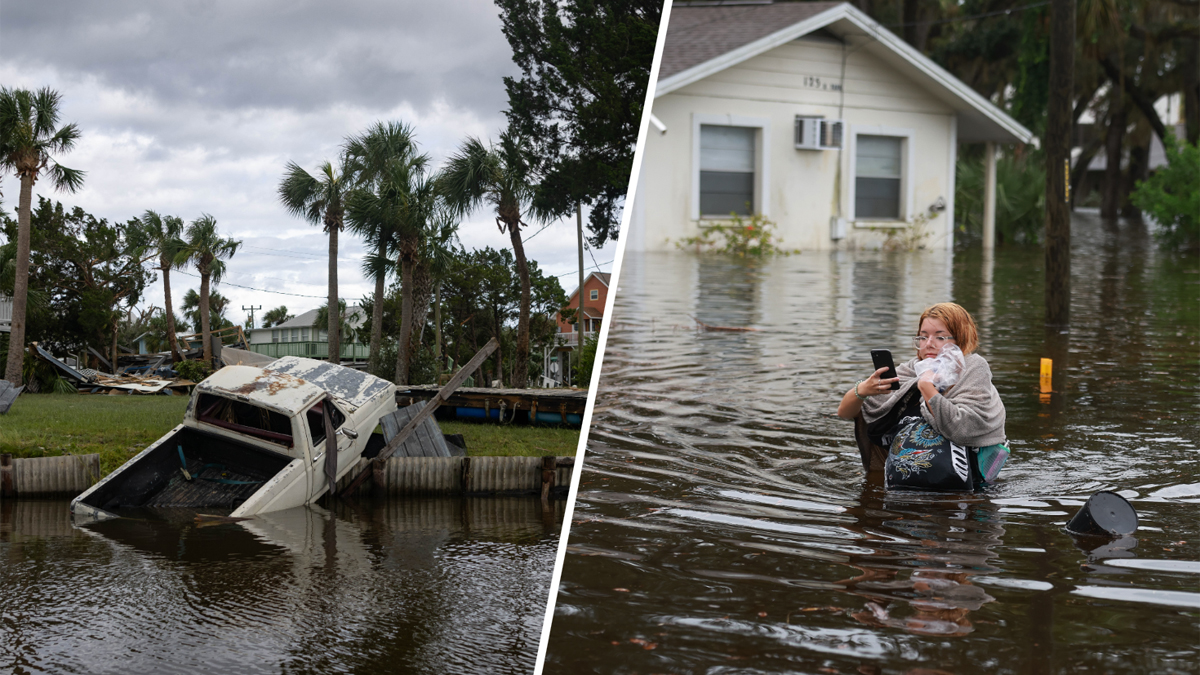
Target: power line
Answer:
[[261, 290], [593, 267]]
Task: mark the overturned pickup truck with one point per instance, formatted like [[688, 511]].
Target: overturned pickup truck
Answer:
[[252, 440]]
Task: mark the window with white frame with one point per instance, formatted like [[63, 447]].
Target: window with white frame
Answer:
[[275, 336], [726, 170], [878, 177], [593, 295]]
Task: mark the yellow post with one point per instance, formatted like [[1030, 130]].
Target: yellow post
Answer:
[[1047, 370]]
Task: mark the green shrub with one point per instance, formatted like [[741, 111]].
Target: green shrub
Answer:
[[1020, 198], [1172, 196], [193, 370], [752, 237], [586, 360]]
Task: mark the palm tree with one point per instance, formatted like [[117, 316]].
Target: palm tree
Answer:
[[320, 201], [402, 203], [503, 177], [163, 235], [372, 158], [29, 136], [204, 247]]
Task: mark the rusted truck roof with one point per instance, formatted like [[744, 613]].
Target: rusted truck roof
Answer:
[[291, 384]]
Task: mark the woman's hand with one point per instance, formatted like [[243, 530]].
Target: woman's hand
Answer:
[[927, 384], [874, 385]]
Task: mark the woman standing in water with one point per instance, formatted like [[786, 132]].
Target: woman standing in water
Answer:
[[968, 413]]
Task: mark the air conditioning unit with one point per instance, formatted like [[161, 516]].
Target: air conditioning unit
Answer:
[[817, 133]]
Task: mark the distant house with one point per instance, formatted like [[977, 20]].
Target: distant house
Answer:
[[299, 337], [811, 114], [5, 314], [558, 359]]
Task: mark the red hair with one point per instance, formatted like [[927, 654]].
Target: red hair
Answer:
[[958, 321]]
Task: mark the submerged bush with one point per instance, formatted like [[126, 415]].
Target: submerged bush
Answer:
[[1172, 196], [752, 237]]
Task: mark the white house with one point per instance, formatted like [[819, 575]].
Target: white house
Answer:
[[811, 114], [299, 337]]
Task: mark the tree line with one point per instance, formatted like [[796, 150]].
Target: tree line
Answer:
[[573, 119], [1127, 55]]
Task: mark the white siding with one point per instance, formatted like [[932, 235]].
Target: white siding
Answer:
[[799, 78]]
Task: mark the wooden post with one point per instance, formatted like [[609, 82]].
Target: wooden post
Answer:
[[1057, 142], [579, 321], [425, 412], [548, 465], [7, 487], [989, 196]]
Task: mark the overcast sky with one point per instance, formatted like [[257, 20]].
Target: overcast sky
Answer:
[[195, 106]]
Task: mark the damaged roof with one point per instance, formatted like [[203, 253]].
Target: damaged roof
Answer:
[[291, 384]]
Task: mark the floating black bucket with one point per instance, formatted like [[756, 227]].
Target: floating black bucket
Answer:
[[1105, 513]]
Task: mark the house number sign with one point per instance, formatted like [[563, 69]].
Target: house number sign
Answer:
[[814, 82]]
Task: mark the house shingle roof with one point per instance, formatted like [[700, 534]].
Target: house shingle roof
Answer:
[[702, 32]]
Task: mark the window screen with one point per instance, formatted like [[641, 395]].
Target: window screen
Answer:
[[877, 177], [726, 170]]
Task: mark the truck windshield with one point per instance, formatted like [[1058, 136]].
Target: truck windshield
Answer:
[[244, 418]]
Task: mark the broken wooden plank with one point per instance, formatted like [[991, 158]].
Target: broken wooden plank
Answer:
[[425, 412]]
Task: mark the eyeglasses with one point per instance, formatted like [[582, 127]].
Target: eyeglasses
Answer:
[[939, 340]]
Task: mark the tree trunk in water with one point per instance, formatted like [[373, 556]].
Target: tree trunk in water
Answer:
[[1139, 170], [1058, 155], [406, 314], [521, 362], [205, 320], [172, 342], [1110, 198], [16, 336], [335, 316]]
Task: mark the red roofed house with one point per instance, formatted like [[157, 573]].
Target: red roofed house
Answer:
[[595, 294]]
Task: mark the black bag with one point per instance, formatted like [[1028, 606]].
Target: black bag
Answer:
[[920, 458]]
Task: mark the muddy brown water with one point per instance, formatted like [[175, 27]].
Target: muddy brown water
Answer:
[[436, 585], [724, 523]]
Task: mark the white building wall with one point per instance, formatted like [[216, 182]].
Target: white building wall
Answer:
[[799, 78]]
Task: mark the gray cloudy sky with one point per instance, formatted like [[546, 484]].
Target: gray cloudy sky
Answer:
[[195, 106]]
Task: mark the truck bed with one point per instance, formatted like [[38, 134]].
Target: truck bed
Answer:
[[224, 474]]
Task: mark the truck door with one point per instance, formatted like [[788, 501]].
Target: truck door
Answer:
[[315, 416]]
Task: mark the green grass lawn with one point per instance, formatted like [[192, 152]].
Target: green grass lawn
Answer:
[[119, 427], [116, 427]]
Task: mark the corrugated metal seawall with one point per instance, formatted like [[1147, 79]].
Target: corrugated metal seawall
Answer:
[[67, 475], [459, 475]]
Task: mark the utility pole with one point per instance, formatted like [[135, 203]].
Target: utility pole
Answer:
[[579, 321], [1058, 157], [251, 309]]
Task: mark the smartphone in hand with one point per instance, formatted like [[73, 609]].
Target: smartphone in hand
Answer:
[[882, 358]]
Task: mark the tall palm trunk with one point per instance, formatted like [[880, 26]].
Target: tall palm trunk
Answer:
[[373, 364], [205, 321], [521, 362], [408, 250], [437, 325], [170, 310], [1110, 199], [422, 294], [16, 336], [335, 323]]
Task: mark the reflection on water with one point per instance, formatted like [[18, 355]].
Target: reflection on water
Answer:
[[724, 523], [416, 585]]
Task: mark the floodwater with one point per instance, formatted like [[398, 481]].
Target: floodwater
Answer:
[[725, 525], [436, 585]]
